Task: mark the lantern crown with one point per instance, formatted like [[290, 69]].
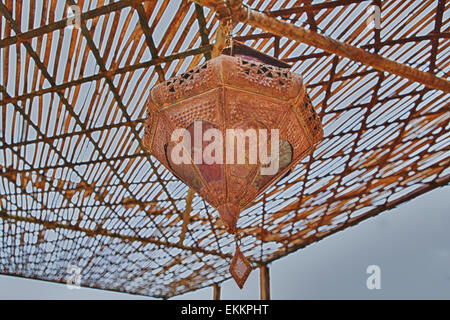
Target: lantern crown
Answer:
[[233, 73]]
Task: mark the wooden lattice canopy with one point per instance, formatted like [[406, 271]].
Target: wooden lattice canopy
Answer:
[[77, 187]]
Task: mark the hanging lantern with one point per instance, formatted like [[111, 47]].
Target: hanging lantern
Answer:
[[206, 125]]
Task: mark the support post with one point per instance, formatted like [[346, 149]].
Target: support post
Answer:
[[216, 295], [264, 280]]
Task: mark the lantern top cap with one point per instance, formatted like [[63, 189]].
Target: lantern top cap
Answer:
[[233, 72], [243, 51]]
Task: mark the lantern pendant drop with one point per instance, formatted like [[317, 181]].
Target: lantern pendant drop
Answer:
[[229, 129], [240, 268]]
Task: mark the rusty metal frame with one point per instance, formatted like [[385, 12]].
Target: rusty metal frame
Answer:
[[140, 231]]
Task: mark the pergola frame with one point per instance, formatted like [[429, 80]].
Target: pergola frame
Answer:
[[273, 28]]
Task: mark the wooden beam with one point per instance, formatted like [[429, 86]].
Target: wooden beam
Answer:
[[265, 35], [106, 233], [312, 7], [216, 292], [264, 282], [29, 49], [149, 40], [257, 36], [437, 32], [291, 31], [111, 72], [221, 39], [186, 215], [117, 97], [202, 28], [61, 24], [443, 35]]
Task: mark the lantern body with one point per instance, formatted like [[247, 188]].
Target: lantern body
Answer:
[[231, 93]]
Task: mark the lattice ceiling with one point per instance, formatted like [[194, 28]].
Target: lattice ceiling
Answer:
[[78, 189]]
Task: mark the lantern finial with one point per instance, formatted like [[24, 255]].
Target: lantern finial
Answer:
[[229, 213]]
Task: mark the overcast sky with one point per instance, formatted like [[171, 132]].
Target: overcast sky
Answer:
[[411, 245]]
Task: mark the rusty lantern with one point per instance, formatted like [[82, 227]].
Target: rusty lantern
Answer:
[[245, 90]]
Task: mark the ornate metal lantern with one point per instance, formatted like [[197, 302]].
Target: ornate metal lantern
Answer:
[[248, 90]]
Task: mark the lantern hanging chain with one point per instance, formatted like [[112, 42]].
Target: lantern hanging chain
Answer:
[[229, 34], [227, 21], [230, 11], [237, 239], [287, 19], [229, 25]]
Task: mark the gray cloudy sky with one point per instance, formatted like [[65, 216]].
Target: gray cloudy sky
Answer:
[[410, 243]]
